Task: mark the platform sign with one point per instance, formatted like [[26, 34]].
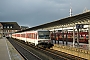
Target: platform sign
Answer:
[[79, 26]]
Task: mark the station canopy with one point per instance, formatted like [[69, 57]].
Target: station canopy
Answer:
[[83, 18]]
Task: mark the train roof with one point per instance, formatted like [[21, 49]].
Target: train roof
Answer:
[[30, 30]]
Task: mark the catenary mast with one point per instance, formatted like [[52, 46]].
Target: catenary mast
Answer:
[[70, 11]]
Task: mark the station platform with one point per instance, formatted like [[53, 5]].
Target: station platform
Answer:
[[73, 51], [7, 51]]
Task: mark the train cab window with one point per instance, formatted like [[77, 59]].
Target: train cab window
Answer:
[[44, 35]]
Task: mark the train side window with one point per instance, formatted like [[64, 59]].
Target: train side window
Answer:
[[29, 35], [87, 36], [35, 36], [32, 35]]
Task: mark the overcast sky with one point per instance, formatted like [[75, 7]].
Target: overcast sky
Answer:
[[37, 12]]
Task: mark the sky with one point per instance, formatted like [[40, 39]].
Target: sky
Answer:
[[36, 12]]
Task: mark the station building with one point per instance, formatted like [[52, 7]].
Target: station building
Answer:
[[24, 27], [7, 28]]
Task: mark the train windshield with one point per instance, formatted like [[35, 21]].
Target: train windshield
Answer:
[[44, 34]]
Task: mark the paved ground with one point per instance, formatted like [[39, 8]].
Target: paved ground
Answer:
[[7, 51]]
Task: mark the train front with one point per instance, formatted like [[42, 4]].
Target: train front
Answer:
[[44, 39]]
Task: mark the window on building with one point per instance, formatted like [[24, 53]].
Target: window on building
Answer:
[[1, 26], [7, 26], [6, 31], [12, 31], [10, 26], [4, 26]]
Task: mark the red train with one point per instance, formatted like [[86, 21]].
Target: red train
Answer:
[[83, 36]]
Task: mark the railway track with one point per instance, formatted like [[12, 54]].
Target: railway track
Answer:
[[69, 56], [46, 54], [26, 54], [62, 54]]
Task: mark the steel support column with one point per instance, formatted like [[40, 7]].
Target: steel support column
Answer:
[[63, 36], [78, 37], [73, 37], [66, 37]]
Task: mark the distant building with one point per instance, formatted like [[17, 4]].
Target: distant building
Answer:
[[7, 28], [24, 27]]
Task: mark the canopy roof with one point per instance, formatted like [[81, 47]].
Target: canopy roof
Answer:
[[83, 18]]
